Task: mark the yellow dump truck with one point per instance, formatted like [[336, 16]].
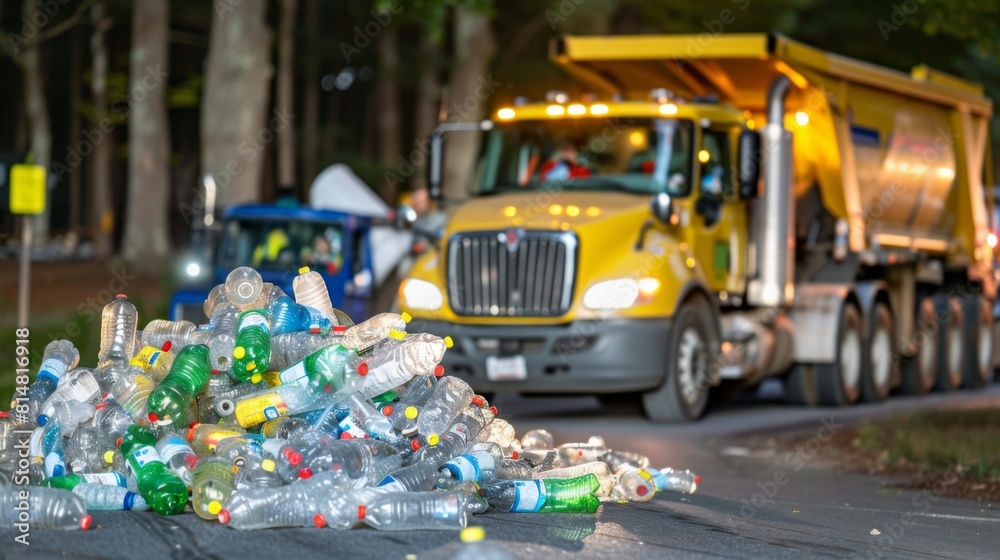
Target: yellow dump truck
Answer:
[[716, 212]]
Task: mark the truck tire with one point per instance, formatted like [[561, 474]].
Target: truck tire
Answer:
[[839, 383], [802, 386], [977, 365], [950, 343], [878, 361], [692, 347], [920, 370]]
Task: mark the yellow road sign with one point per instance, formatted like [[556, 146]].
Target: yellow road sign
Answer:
[[27, 189]]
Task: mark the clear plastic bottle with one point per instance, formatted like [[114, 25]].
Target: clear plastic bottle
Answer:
[[83, 451], [177, 455], [420, 511], [483, 463], [71, 481], [103, 497], [310, 290], [132, 393], [156, 361], [537, 439], [111, 418], [70, 414], [42, 508], [286, 316], [366, 461], [293, 505], [289, 348], [366, 334], [240, 451], [216, 297], [52, 450], [224, 401], [415, 355], [599, 469], [159, 331], [187, 377], [374, 422], [212, 483], [576, 453], [77, 385], [60, 356], [555, 495], [633, 484], [252, 352], [617, 459], [118, 325], [284, 428], [222, 338], [675, 481], [450, 396], [165, 493], [243, 287]]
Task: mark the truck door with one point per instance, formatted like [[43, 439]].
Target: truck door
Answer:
[[718, 235]]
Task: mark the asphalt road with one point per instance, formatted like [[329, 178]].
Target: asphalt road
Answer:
[[749, 505]]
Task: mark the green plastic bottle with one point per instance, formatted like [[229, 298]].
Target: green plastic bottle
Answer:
[[549, 495], [253, 345], [326, 366], [188, 375], [164, 491], [212, 482]]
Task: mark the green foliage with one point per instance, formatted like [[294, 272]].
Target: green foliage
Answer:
[[977, 21]]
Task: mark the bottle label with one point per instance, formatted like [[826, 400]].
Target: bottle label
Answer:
[[390, 484], [295, 374], [53, 460], [53, 368], [145, 455], [464, 468], [146, 357], [257, 410], [351, 426], [254, 320], [529, 496], [108, 478], [172, 446]]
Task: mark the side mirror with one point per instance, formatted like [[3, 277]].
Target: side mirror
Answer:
[[749, 163], [662, 207], [405, 216], [435, 165]]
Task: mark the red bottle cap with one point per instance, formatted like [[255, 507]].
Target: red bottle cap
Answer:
[[697, 479], [339, 329], [363, 369], [319, 520], [641, 490], [118, 442], [294, 458], [346, 435], [361, 512], [328, 388], [4, 414], [494, 410], [167, 346], [121, 296], [314, 330], [478, 400], [224, 516], [438, 370], [98, 406], [415, 445], [387, 410], [153, 417], [85, 522], [305, 472], [515, 455]]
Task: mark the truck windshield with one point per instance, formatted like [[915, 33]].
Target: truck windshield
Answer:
[[643, 156], [285, 245]]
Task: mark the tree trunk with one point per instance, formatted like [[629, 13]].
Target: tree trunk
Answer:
[[235, 123], [310, 97], [147, 236], [387, 101], [469, 89], [285, 92], [101, 213], [38, 117], [75, 198], [428, 101]]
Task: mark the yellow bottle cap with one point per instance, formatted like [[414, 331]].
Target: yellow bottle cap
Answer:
[[239, 352], [448, 342], [214, 507], [304, 270], [255, 378], [109, 456], [472, 534], [406, 317], [251, 366], [411, 412], [644, 474], [397, 334], [268, 465], [433, 439]]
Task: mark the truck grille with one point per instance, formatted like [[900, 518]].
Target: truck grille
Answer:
[[511, 273]]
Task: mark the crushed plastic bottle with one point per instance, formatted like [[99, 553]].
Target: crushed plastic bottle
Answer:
[[450, 396], [69, 414]]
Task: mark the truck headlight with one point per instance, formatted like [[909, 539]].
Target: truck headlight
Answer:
[[620, 293], [420, 294], [193, 269]]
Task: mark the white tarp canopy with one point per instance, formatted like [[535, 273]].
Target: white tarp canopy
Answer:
[[338, 188]]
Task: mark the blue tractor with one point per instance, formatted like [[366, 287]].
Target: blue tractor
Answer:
[[346, 234]]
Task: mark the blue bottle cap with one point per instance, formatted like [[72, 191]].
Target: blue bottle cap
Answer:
[[43, 419], [129, 500], [58, 470]]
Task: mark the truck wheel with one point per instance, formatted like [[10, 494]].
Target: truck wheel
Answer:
[[950, 343], [801, 385], [920, 370], [840, 382], [877, 362], [977, 365], [692, 346]]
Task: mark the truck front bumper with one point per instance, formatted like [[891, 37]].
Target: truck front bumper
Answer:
[[607, 356]]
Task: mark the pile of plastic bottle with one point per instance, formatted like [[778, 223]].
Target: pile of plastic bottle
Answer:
[[283, 413]]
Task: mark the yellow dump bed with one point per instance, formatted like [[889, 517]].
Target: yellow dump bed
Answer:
[[901, 157]]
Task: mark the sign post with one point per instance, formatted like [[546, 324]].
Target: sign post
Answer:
[[27, 198]]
